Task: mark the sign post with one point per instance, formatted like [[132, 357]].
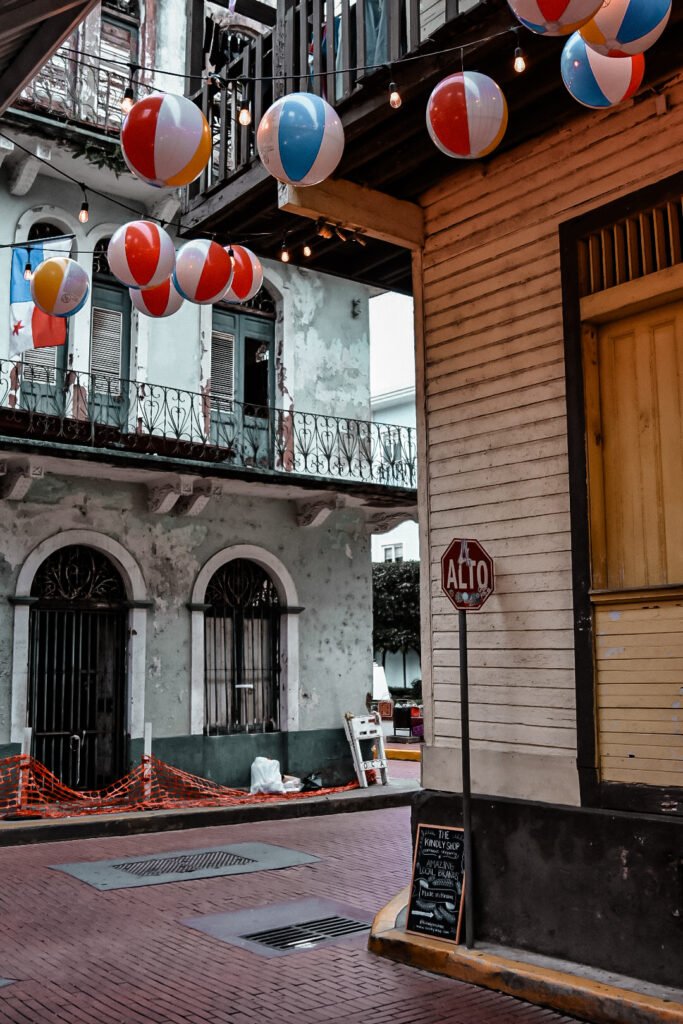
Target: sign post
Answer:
[[467, 580]]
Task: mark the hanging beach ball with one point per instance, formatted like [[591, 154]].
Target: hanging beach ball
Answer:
[[597, 81], [554, 17], [203, 271], [59, 286], [166, 140], [157, 302], [300, 139], [248, 275], [467, 115], [141, 254], [622, 28]]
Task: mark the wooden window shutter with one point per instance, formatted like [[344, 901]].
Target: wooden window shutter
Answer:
[[40, 364], [222, 368], [105, 349]]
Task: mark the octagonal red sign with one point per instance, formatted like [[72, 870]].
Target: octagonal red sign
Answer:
[[467, 574]]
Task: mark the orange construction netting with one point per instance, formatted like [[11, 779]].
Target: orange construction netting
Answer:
[[28, 789]]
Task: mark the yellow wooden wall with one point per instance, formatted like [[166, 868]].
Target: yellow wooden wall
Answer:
[[494, 412]]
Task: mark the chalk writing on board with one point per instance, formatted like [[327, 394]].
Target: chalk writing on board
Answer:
[[438, 882]]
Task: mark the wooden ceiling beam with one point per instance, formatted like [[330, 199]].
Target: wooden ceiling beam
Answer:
[[357, 208]]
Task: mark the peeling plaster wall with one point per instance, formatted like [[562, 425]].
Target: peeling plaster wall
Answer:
[[329, 566]]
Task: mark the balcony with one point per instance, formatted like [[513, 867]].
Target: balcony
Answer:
[[169, 427]]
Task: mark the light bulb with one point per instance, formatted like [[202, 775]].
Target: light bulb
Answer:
[[128, 100], [284, 254], [308, 251], [244, 116], [84, 214], [395, 100], [520, 62], [28, 272]]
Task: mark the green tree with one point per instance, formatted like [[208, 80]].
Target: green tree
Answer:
[[396, 606]]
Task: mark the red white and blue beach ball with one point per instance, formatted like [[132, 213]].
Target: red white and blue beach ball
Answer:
[[554, 17], [597, 81], [203, 271], [300, 139], [622, 28], [157, 302], [467, 115], [59, 286]]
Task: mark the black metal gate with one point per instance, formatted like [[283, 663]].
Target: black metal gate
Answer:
[[77, 667], [242, 650]]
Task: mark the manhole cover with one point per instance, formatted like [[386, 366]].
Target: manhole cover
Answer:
[[307, 934], [183, 864]]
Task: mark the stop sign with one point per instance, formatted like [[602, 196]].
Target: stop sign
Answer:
[[467, 574]]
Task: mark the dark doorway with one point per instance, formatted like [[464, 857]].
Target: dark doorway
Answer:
[[77, 667]]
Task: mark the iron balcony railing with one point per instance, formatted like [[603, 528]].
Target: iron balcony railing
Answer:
[[66, 407]]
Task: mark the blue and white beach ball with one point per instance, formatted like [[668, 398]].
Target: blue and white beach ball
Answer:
[[597, 81], [300, 139], [59, 286], [622, 28]]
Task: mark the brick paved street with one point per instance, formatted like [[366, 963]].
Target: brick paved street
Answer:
[[123, 957]]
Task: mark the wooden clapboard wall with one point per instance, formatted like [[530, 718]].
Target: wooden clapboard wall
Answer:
[[496, 432]]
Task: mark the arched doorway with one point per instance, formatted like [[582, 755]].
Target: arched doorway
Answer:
[[241, 650], [77, 667]]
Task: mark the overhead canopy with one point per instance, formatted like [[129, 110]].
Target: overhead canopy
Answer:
[[30, 32]]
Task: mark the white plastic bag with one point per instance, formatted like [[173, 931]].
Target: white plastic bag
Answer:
[[265, 776], [292, 784]]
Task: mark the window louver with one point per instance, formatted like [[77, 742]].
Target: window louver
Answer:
[[105, 350], [40, 365], [222, 369]]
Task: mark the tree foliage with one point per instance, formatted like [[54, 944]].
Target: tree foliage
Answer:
[[396, 606]]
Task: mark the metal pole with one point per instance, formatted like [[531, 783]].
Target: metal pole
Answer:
[[466, 785]]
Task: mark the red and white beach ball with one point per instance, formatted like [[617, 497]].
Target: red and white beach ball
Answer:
[[59, 286], [467, 115], [597, 81], [554, 17], [141, 254], [203, 271], [248, 276], [157, 302], [166, 140], [300, 139], [622, 28]]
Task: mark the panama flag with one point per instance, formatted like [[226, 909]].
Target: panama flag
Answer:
[[29, 326]]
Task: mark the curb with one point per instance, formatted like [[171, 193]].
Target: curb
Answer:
[[559, 990], [134, 823], [394, 754]]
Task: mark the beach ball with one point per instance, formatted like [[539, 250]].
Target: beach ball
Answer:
[[203, 271], [59, 286], [166, 140], [300, 139], [622, 28], [597, 81], [467, 115], [554, 17], [163, 300], [141, 254], [248, 275]]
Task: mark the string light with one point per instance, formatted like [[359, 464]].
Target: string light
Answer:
[[244, 116], [284, 253], [520, 60], [84, 212], [128, 98], [28, 271], [324, 229], [307, 251], [395, 100]]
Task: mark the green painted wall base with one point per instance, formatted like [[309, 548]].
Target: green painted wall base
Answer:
[[9, 749], [227, 759]]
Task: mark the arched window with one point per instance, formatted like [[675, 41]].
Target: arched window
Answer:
[[110, 328], [241, 650], [77, 667]]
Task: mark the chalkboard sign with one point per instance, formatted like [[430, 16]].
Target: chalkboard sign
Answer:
[[438, 885]]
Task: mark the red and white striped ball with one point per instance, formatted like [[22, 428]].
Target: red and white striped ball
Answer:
[[166, 140], [157, 302], [467, 115], [248, 276], [554, 17], [203, 271], [141, 254]]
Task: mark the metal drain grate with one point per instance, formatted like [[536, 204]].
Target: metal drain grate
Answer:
[[183, 864], [308, 933]]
